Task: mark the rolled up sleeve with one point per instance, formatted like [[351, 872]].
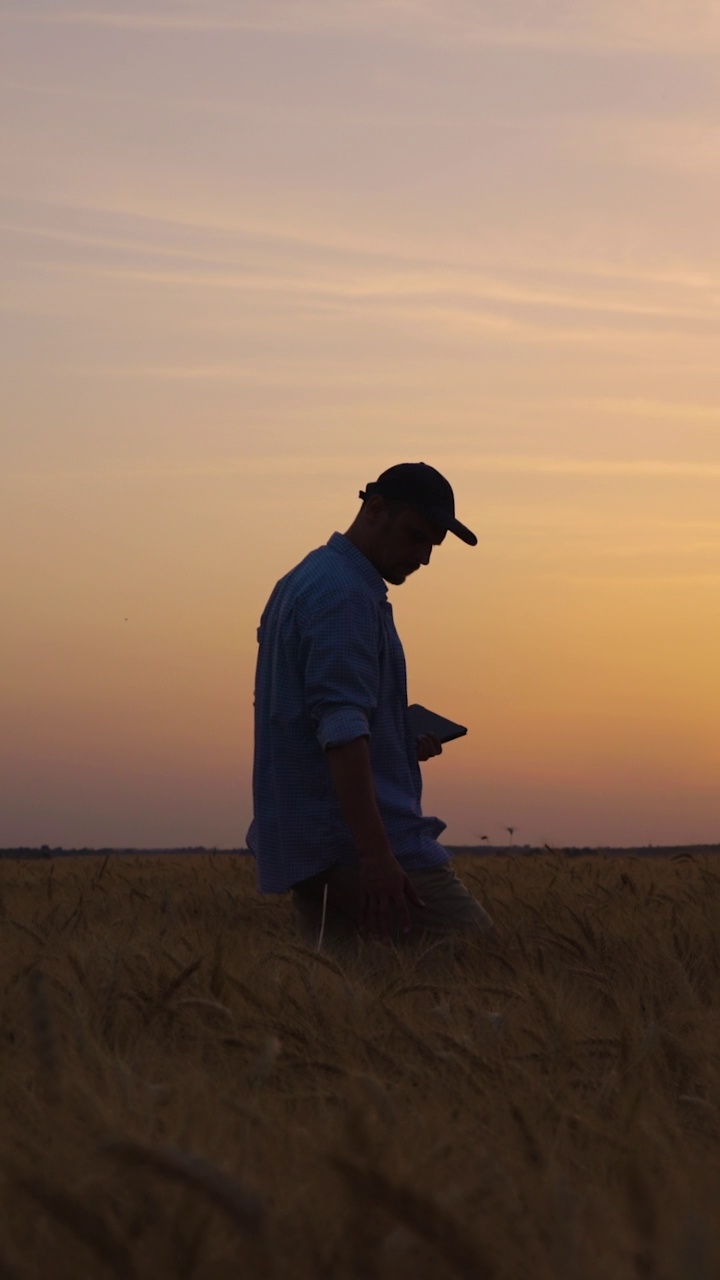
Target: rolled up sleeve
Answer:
[[341, 668], [341, 726]]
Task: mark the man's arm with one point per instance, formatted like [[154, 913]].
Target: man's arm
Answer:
[[387, 888]]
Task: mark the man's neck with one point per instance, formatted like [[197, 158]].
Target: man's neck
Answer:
[[362, 543]]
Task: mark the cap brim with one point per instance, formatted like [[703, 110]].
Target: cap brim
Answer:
[[462, 531], [444, 520]]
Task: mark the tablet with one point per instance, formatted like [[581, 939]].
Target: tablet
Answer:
[[424, 721]]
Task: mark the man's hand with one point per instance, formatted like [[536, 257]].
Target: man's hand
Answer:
[[387, 890], [427, 745]]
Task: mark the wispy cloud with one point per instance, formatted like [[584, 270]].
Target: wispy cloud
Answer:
[[687, 142], [351, 464], [434, 293], [598, 24], [151, 229], [177, 373], [674, 410], [642, 468], [638, 581]]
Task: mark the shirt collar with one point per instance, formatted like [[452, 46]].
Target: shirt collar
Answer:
[[360, 563]]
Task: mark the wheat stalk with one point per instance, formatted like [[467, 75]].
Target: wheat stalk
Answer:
[[199, 1173], [86, 1224], [46, 1045], [201, 1002], [180, 978], [321, 934], [423, 1216]]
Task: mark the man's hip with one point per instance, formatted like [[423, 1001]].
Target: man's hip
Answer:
[[330, 904]]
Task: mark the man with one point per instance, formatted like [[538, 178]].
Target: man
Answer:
[[336, 780]]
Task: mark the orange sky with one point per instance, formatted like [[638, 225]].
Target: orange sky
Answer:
[[251, 255]]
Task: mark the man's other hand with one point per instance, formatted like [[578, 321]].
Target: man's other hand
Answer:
[[386, 894], [428, 745]]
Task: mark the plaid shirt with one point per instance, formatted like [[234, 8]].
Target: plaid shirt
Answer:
[[331, 669]]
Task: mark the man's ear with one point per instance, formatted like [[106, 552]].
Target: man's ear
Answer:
[[374, 508]]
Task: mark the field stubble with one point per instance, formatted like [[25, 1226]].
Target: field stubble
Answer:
[[188, 1091]]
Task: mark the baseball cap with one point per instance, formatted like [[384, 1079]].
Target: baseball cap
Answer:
[[424, 488]]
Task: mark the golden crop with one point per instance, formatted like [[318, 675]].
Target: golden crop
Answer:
[[188, 1091]]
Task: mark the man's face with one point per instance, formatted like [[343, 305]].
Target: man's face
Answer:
[[403, 541]]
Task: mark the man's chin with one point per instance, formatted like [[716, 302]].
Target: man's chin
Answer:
[[395, 577]]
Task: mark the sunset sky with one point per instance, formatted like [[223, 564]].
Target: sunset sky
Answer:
[[252, 252]]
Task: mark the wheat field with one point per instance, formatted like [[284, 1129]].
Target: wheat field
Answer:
[[188, 1091]]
